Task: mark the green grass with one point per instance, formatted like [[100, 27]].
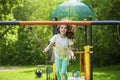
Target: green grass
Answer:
[[28, 73], [107, 73]]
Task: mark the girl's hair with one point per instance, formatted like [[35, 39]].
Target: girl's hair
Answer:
[[70, 30]]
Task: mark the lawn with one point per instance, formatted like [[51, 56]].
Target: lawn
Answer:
[[107, 73], [28, 73]]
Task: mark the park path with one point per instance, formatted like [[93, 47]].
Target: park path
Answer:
[[9, 68], [73, 78]]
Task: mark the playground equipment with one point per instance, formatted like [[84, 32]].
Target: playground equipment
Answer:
[[87, 48], [36, 37], [38, 72], [105, 22], [73, 10], [5, 31]]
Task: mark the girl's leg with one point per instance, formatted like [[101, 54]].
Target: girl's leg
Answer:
[[64, 69], [58, 63]]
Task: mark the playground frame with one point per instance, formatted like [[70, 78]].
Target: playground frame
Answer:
[[87, 48], [106, 22]]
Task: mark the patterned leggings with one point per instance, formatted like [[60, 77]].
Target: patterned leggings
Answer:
[[61, 68]]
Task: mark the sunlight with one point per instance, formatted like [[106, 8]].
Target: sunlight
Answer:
[[73, 0], [100, 73]]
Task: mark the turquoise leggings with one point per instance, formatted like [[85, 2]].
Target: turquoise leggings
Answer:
[[61, 68]]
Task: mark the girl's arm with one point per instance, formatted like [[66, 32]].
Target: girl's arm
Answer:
[[71, 52], [48, 47]]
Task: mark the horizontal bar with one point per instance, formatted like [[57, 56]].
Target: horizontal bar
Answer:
[[9, 22], [59, 22], [106, 22], [79, 52], [55, 22]]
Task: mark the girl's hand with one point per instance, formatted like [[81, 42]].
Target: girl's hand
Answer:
[[73, 57], [44, 51]]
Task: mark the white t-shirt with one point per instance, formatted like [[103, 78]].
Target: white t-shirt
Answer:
[[61, 46]]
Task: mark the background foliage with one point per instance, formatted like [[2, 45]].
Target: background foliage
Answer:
[[19, 47]]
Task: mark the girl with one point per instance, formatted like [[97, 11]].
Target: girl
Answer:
[[63, 49]]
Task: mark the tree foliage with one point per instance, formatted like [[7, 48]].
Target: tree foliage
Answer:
[[19, 47], [106, 49]]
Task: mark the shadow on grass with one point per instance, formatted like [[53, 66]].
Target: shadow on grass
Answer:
[[107, 73], [28, 71]]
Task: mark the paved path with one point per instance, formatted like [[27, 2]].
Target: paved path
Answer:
[[9, 68], [73, 78]]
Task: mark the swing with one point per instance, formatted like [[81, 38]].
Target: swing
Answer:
[[114, 37], [1, 35], [118, 34], [36, 37], [39, 72]]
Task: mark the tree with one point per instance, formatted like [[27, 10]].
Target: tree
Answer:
[[7, 41], [104, 37], [26, 50]]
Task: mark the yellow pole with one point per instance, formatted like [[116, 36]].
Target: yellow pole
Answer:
[[80, 65], [54, 74], [87, 62], [53, 65]]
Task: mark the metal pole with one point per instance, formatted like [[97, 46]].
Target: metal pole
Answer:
[[55, 26], [80, 65], [85, 35], [85, 44], [60, 22], [53, 54], [1, 35], [90, 43]]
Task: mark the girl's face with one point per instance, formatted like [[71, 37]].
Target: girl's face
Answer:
[[63, 29]]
